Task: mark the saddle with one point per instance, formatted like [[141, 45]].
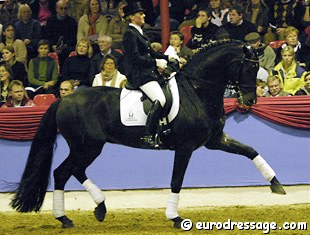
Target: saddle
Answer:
[[135, 105]]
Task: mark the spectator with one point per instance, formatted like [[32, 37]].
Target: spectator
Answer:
[[43, 71], [289, 71], [265, 53], [8, 39], [66, 88], [256, 12], [117, 26], [77, 68], [61, 32], [109, 75], [92, 24], [42, 10], [8, 12], [261, 88], [302, 51], [238, 27], [203, 31], [76, 8], [18, 68], [284, 13], [105, 43], [5, 78], [275, 87], [219, 12], [28, 30], [17, 96], [305, 90]]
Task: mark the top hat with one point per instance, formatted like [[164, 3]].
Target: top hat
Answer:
[[133, 8]]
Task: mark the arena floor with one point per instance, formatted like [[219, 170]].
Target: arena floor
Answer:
[[157, 198]]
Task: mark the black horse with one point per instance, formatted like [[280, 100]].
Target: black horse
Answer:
[[91, 117]]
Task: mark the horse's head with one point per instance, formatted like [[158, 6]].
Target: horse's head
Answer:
[[247, 78]]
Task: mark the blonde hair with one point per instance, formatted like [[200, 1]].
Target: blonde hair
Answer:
[[289, 49], [21, 8], [289, 30], [273, 78], [90, 48]]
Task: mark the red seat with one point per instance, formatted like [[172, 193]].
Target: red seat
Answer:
[[54, 55], [73, 53], [44, 99], [186, 30], [276, 44]]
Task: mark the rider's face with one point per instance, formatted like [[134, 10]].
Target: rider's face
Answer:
[[138, 18]]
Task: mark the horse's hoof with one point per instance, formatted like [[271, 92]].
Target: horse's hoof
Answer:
[[278, 189], [65, 222], [177, 222], [100, 211]]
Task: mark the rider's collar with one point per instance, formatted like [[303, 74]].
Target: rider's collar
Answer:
[[137, 27]]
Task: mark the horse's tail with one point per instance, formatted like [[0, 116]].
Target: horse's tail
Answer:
[[32, 188]]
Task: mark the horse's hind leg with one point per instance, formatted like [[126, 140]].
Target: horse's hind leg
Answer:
[[228, 144]]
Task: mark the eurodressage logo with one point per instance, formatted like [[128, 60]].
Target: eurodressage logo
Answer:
[[131, 117]]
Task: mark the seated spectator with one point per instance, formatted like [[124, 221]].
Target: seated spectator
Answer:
[[61, 32], [18, 68], [203, 31], [8, 12], [219, 12], [77, 68], [117, 26], [261, 88], [289, 71], [238, 27], [9, 39], [43, 71], [105, 46], [275, 87], [109, 75], [17, 96], [42, 10], [256, 12], [305, 90], [302, 51], [265, 53], [5, 79], [66, 88], [92, 24], [28, 30], [76, 8]]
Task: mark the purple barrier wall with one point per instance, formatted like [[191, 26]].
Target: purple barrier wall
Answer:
[[118, 167]]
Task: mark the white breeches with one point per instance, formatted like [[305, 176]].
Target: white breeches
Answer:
[[153, 90]]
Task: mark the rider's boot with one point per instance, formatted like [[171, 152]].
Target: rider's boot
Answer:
[[152, 137]]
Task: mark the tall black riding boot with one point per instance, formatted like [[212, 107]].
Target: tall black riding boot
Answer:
[[152, 123]]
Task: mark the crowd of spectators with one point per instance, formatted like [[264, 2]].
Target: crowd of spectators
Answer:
[[47, 42]]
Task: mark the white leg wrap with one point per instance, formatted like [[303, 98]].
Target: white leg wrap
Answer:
[[264, 168], [172, 206], [58, 203], [94, 191]]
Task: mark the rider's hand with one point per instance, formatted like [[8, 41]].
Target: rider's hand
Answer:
[[161, 63]]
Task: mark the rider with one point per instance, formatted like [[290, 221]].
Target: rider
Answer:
[[141, 61]]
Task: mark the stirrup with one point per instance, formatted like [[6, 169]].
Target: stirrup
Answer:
[[153, 141]]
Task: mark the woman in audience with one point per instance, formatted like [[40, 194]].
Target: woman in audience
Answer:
[[5, 78], [28, 30], [305, 90], [117, 26], [77, 68], [18, 68], [9, 39], [92, 24], [109, 75], [289, 71], [219, 12]]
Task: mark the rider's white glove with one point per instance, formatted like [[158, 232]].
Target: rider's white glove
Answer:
[[161, 63]]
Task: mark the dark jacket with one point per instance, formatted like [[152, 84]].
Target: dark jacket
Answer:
[[239, 32], [139, 58]]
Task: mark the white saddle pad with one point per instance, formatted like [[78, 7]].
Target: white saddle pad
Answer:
[[131, 107]]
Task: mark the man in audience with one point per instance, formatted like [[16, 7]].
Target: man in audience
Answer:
[[17, 95], [66, 88], [238, 27], [61, 31], [105, 44], [275, 87]]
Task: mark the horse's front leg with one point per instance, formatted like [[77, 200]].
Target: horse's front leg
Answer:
[[181, 160], [228, 144]]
